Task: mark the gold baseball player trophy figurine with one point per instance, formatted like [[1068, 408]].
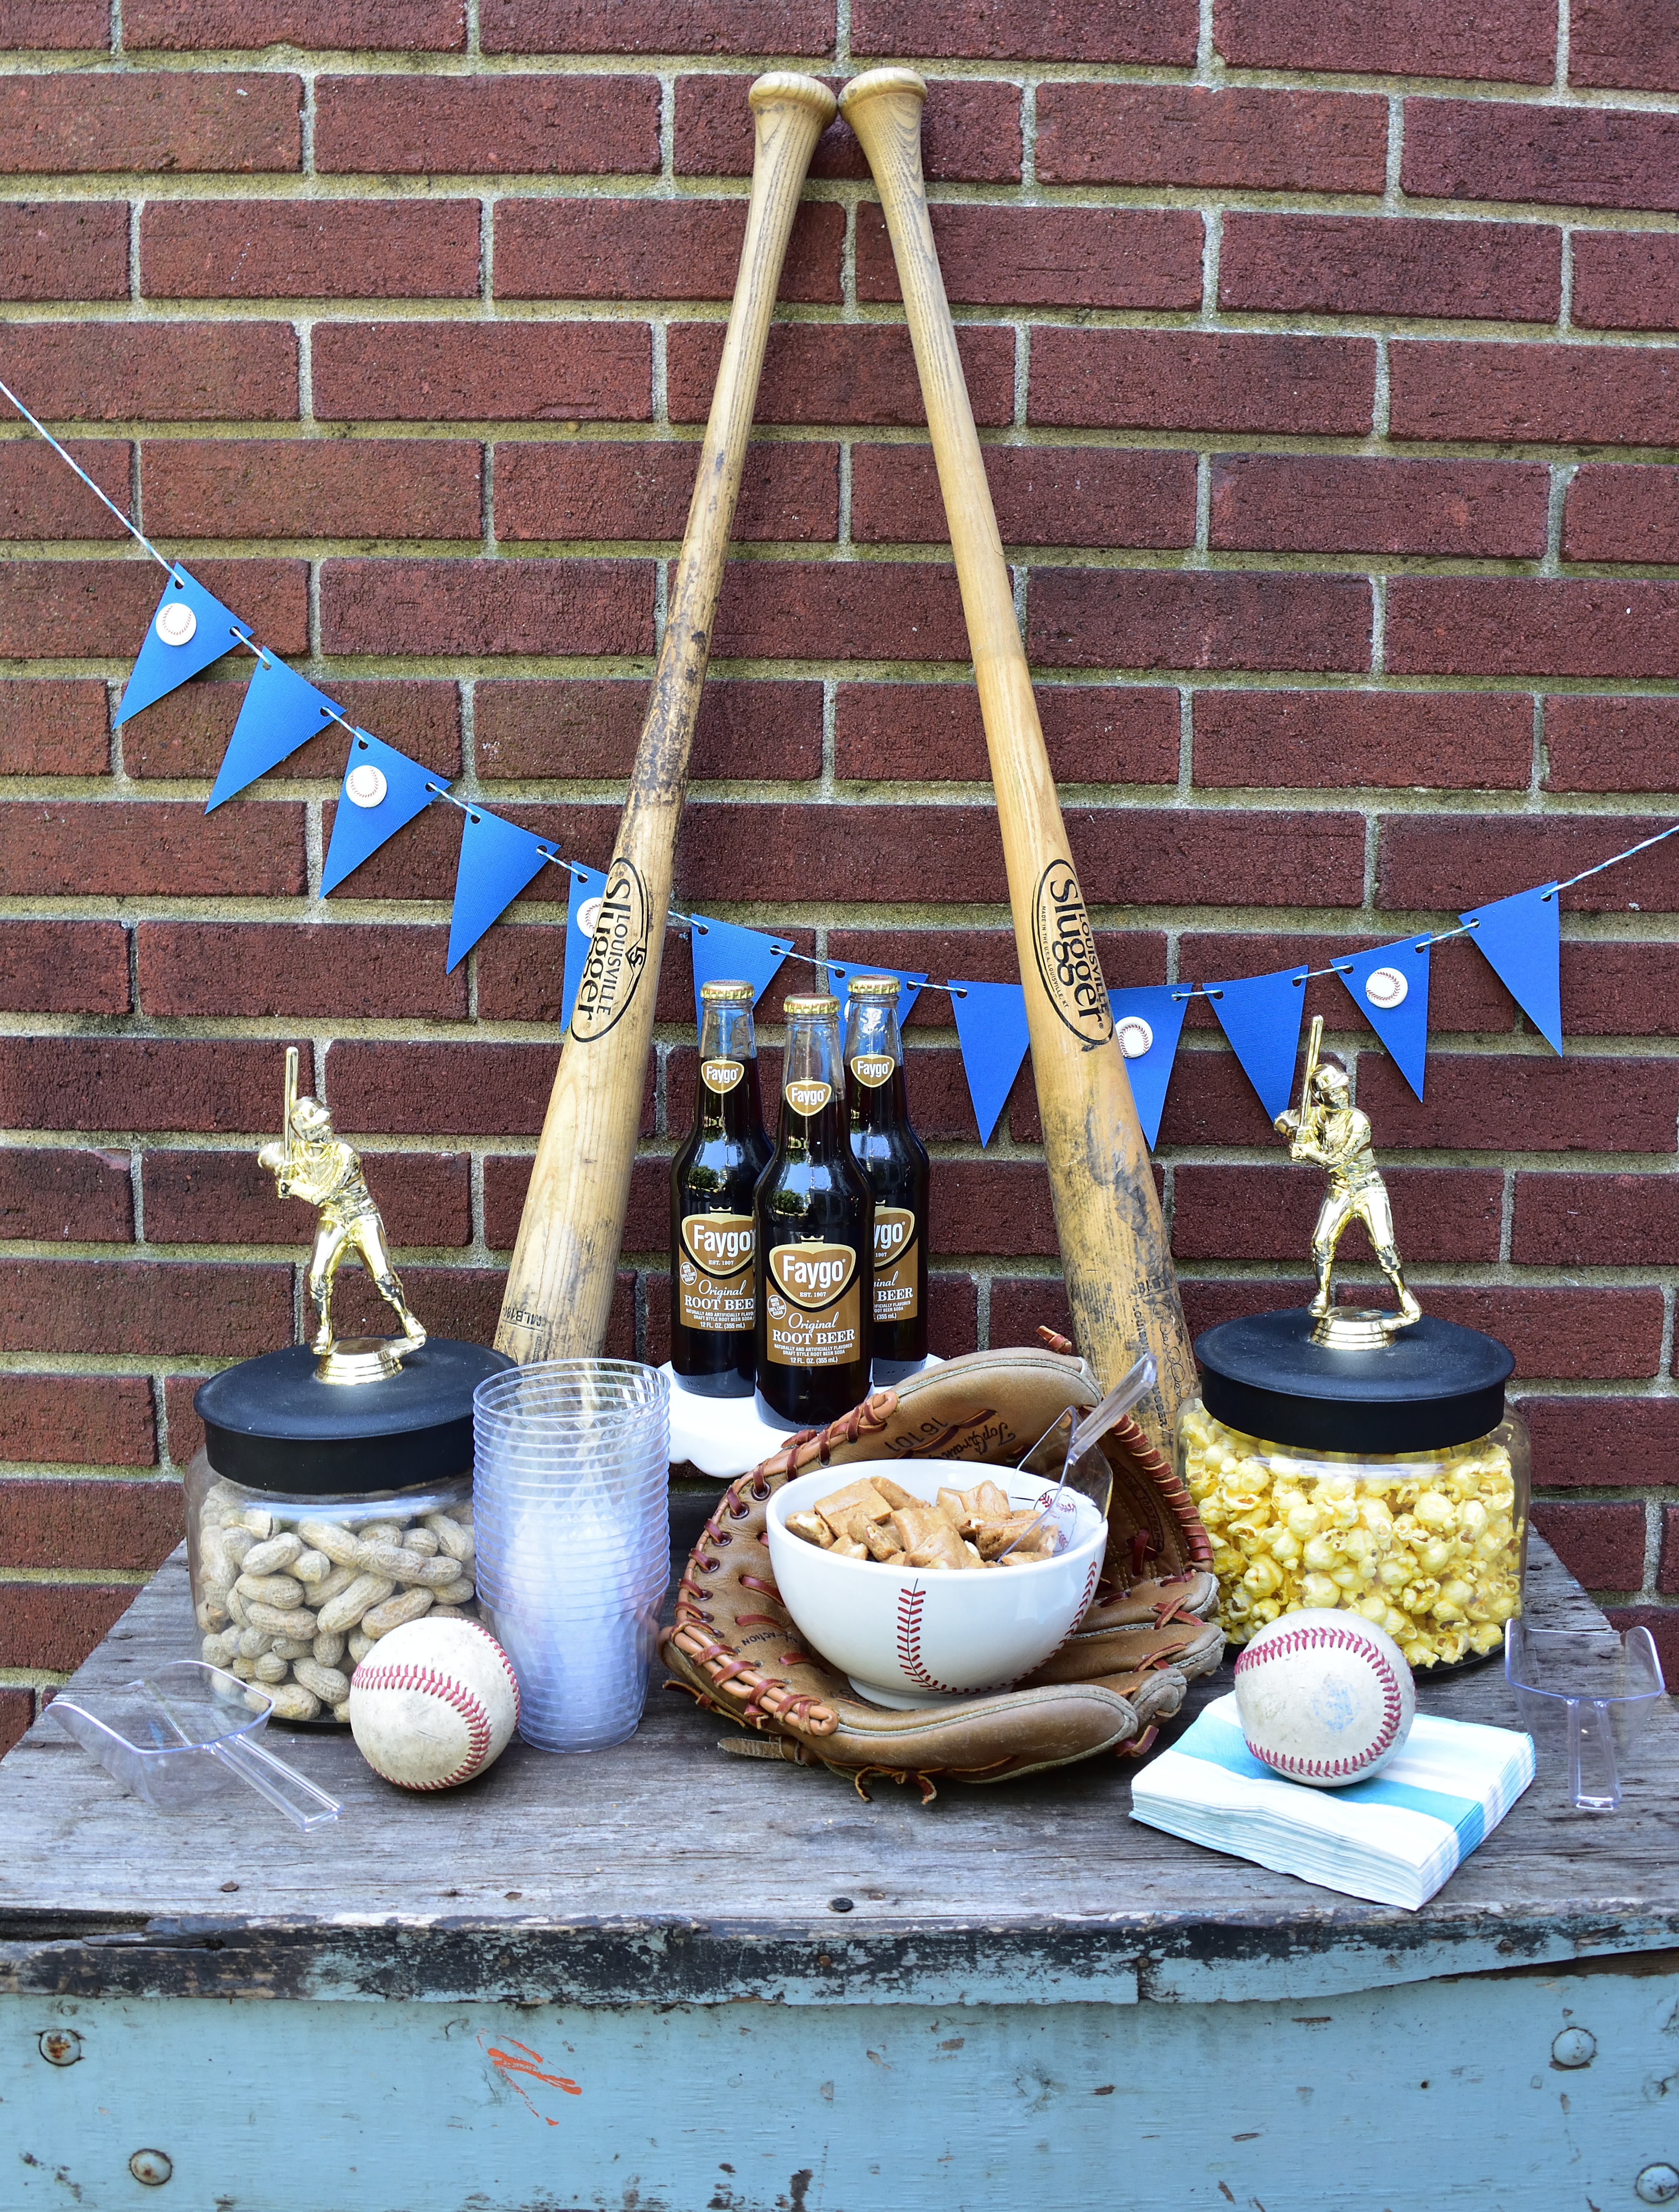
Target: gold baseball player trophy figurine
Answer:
[[1330, 1132], [311, 1162]]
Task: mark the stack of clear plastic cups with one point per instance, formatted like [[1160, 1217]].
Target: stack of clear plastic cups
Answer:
[[571, 1517]]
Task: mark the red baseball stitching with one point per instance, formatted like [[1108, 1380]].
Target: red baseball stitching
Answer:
[[506, 1663], [1295, 1640], [464, 1702]]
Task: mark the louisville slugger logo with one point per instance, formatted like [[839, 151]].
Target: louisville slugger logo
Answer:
[[812, 1276], [1064, 947], [721, 1243], [616, 956]]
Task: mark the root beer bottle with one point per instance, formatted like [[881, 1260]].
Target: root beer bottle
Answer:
[[816, 1235], [714, 1277], [894, 1163]]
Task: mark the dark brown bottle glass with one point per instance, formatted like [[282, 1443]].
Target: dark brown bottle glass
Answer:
[[816, 1237], [894, 1163], [714, 1238]]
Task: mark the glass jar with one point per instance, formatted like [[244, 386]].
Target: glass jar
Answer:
[[1388, 1480], [320, 1517]]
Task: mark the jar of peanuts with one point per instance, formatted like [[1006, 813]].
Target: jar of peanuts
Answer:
[[1386, 1478]]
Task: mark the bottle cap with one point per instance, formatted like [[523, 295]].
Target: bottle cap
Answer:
[[875, 987], [726, 994], [811, 1005]]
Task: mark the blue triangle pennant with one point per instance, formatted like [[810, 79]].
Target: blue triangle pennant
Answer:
[[991, 1030], [582, 908], [373, 806], [1521, 939], [281, 712], [1261, 1016], [177, 647], [724, 952], [1148, 1024], [497, 859], [912, 979], [1389, 987]]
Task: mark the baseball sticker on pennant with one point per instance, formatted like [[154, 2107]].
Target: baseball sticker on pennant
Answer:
[[1261, 1016], [188, 630], [497, 859], [281, 712], [1389, 987], [383, 791], [1521, 940], [1148, 1024], [582, 912]]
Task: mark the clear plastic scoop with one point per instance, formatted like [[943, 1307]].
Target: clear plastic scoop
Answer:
[[1085, 1469], [1591, 1688], [175, 1736]]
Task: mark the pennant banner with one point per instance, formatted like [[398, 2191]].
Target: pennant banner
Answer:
[[725, 953], [912, 980], [383, 791], [1521, 939], [281, 712], [1148, 1024], [991, 1030], [497, 859], [189, 629], [1389, 987], [1261, 1016], [582, 909]]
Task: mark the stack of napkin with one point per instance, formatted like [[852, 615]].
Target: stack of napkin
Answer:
[[1394, 1839]]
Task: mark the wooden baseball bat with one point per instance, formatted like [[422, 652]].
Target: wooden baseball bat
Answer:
[[559, 1288], [1113, 1244]]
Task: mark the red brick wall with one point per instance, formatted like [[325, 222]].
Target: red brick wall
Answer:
[[1325, 360]]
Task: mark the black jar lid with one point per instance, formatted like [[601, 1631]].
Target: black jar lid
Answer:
[[272, 1425], [1431, 1385]]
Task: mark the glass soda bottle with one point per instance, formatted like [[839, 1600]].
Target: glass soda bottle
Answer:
[[815, 1234], [894, 1163], [714, 1238]]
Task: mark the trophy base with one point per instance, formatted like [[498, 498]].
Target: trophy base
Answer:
[[1360, 1328], [355, 1359]]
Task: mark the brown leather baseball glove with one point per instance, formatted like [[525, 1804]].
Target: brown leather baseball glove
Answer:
[[1125, 1668]]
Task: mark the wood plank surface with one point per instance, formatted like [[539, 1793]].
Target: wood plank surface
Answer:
[[662, 1871]]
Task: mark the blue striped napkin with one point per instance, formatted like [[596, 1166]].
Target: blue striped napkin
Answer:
[[1395, 1838]]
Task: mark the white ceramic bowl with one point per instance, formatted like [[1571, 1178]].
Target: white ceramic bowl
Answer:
[[907, 1637]]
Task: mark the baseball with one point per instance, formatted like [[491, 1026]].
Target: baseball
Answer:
[[433, 1703], [1324, 1697]]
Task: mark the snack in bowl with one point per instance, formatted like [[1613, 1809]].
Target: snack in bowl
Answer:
[[894, 1598]]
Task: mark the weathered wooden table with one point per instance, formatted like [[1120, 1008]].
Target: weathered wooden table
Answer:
[[661, 1977]]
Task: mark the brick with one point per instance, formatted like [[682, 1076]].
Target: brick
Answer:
[[1391, 265], [63, 967], [17, 1707], [1616, 989], [1018, 30], [48, 1523], [59, 1196], [1523, 626], [441, 1090], [63, 250], [1185, 135], [923, 732], [1306, 503], [619, 488], [60, 26], [41, 499], [1544, 1105], [1667, 1579], [486, 606], [145, 1306], [1610, 745], [1043, 495], [1622, 514], [1594, 1220], [473, 372], [851, 611], [599, 249], [396, 25], [1475, 150], [1451, 861], [1515, 42], [1631, 43], [1601, 1546], [186, 1430], [506, 1178], [1199, 381], [1662, 1621], [658, 27], [55, 849], [1626, 281], [55, 726], [225, 1198], [1585, 1335], [312, 487], [56, 1625], [1129, 618], [970, 133], [157, 372], [1537, 394], [49, 607], [486, 126], [588, 727], [94, 122], [369, 971], [1266, 1214], [1020, 1306], [309, 250], [1047, 257], [140, 1083], [1612, 1443], [1310, 740], [186, 734], [816, 374], [1000, 1206]]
